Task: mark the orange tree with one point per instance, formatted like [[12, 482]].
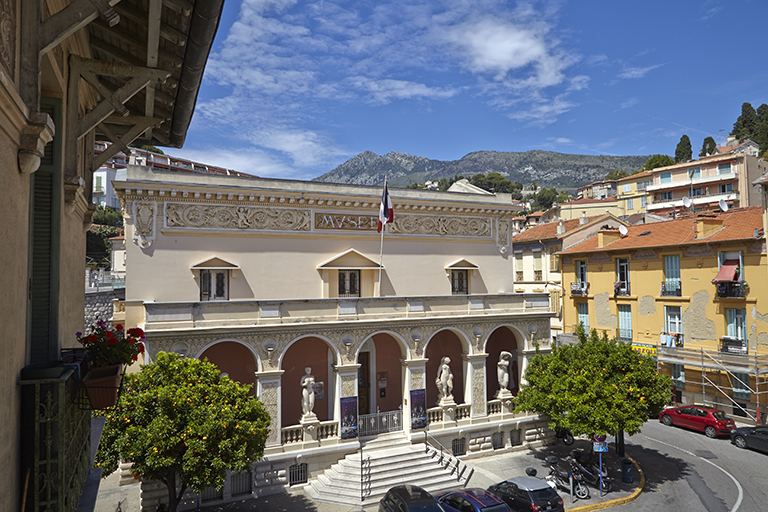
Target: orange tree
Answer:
[[597, 386], [180, 422]]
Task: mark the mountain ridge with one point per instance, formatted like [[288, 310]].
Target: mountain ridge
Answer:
[[548, 169]]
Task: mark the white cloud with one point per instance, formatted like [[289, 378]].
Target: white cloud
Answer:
[[385, 91], [246, 159], [544, 112], [636, 72], [561, 140], [631, 102]]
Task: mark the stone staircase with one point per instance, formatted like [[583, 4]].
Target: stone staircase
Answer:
[[390, 460]]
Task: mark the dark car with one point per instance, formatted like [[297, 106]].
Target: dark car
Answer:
[[713, 422], [408, 498], [471, 500], [751, 437], [528, 493]]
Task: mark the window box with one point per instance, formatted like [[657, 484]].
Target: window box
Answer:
[[579, 288], [733, 345]]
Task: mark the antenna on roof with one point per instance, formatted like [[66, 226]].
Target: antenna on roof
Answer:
[[623, 230], [723, 206]]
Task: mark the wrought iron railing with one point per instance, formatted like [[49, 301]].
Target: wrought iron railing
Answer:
[[621, 289], [731, 290], [446, 459], [579, 288], [380, 422], [671, 289], [518, 275], [537, 275], [732, 345]]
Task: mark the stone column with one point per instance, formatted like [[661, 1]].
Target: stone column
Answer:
[[346, 386], [414, 377], [269, 390], [476, 375]]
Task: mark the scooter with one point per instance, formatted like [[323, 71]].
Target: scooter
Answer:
[[591, 474], [565, 435], [562, 479]]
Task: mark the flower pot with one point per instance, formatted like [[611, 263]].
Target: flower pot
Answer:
[[102, 385]]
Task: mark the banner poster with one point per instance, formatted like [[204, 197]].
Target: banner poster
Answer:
[[418, 409], [349, 417]]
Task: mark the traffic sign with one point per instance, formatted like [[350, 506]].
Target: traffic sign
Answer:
[[600, 438], [600, 446]]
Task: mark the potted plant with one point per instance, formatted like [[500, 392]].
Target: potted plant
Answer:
[[109, 350]]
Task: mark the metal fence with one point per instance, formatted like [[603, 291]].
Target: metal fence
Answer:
[[377, 423]]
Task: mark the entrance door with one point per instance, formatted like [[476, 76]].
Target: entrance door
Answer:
[[363, 384]]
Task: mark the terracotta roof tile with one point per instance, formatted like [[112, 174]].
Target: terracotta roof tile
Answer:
[[637, 175], [738, 224]]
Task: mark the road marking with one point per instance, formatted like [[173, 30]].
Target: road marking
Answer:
[[738, 485]]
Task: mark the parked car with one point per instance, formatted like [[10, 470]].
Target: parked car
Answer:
[[526, 493], [411, 498], [471, 500], [751, 437], [713, 422]]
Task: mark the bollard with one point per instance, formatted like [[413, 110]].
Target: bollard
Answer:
[[626, 471]]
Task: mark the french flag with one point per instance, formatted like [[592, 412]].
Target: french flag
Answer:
[[386, 213]]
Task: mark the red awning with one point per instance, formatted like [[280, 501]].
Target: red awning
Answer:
[[727, 271]]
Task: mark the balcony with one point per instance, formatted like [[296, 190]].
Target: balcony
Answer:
[[537, 275], [733, 345], [697, 200], [731, 290], [253, 313], [621, 289], [695, 182], [624, 335], [674, 339], [671, 288], [579, 288], [519, 275]]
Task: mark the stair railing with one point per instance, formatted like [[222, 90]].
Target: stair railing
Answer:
[[365, 475], [452, 463]]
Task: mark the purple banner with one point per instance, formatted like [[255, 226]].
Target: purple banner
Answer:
[[349, 417], [418, 409]]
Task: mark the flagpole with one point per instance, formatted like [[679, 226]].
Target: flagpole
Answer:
[[381, 246]]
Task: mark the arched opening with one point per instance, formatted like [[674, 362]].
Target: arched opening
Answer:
[[445, 344], [501, 339], [234, 359], [314, 353], [379, 383]]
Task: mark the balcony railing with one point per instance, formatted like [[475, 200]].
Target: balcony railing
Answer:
[[621, 289], [537, 275], [624, 335], [733, 345], [671, 339], [248, 313], [518, 275], [731, 290], [579, 288], [677, 202], [671, 289]]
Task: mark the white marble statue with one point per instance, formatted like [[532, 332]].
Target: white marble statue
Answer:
[[444, 380], [308, 392], [503, 369]]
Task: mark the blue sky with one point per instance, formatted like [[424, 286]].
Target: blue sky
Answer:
[[292, 89]]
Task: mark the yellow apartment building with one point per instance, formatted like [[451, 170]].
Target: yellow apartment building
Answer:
[[632, 193], [689, 291]]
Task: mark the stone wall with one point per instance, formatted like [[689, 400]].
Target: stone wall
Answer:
[[98, 305]]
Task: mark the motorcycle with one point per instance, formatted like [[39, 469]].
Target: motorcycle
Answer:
[[591, 472], [562, 479], [565, 435]]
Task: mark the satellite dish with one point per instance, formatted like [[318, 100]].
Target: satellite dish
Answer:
[[687, 202], [623, 230], [723, 205]]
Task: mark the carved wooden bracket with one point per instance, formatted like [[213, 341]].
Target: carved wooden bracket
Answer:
[[38, 132]]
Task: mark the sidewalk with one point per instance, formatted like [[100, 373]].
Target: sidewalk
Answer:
[[489, 469]]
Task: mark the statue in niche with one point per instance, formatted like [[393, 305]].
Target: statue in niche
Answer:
[[307, 393], [502, 372], [444, 380]]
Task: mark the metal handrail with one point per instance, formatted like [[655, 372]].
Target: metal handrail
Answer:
[[456, 466]]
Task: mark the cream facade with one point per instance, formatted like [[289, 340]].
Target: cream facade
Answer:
[[633, 196], [269, 277], [588, 207]]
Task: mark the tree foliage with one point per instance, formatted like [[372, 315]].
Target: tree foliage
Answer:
[[746, 124], [108, 216], [708, 147], [683, 151], [616, 174], [180, 422], [596, 386], [658, 161]]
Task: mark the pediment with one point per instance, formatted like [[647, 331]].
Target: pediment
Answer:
[[214, 263], [349, 260], [461, 264]]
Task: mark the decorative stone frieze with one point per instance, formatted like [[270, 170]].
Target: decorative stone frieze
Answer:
[[348, 385], [478, 388], [180, 215], [144, 213], [645, 254], [600, 257], [417, 378], [441, 225], [502, 235], [698, 250], [270, 396]]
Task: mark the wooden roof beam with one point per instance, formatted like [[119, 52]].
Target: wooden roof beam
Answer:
[[72, 18], [168, 33]]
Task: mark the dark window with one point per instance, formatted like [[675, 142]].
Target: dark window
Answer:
[[459, 282], [349, 283], [297, 474]]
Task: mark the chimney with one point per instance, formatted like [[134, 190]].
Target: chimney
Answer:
[[607, 236], [705, 226], [583, 219], [560, 229]]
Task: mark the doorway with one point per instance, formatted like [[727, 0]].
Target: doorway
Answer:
[[364, 384]]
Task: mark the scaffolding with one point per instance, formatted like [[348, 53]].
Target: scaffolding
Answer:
[[722, 379]]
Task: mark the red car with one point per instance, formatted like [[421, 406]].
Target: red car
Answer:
[[713, 422]]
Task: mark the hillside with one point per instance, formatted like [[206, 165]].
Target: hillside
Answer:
[[545, 168]]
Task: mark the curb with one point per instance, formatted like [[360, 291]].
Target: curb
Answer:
[[618, 501]]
